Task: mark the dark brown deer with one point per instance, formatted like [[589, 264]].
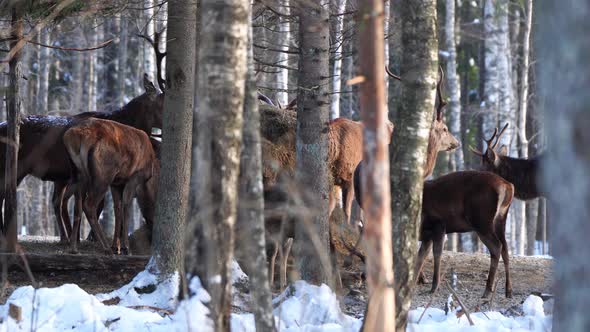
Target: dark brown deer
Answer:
[[463, 202], [109, 154], [42, 153], [522, 173]]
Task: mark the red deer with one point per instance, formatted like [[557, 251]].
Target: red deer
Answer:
[[108, 154], [42, 153], [463, 202], [522, 173]]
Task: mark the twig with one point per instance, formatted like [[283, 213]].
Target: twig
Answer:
[[93, 48], [427, 306], [156, 309], [456, 296]]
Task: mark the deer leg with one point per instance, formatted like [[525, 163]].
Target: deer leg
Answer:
[[422, 253], [117, 194], [90, 204], [348, 194], [57, 199], [437, 249], [273, 260], [128, 193], [77, 221], [284, 260], [495, 247], [506, 259], [91, 236], [331, 201]]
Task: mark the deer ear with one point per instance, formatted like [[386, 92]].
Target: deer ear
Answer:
[[503, 150], [148, 85]]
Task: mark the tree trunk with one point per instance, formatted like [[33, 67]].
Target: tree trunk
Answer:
[[283, 39], [173, 187], [377, 229], [453, 83], [532, 210], [561, 79], [395, 54], [408, 152], [149, 58], [337, 66], [250, 232], [13, 112], [491, 79], [122, 74], [313, 113], [222, 73]]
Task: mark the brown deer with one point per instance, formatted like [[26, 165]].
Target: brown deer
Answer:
[[42, 153], [523, 173], [109, 154], [463, 202]]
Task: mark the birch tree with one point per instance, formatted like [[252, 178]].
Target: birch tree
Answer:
[[408, 155], [313, 102], [250, 232], [562, 83], [340, 7], [216, 159]]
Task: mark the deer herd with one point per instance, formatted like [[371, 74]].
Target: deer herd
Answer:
[[87, 154]]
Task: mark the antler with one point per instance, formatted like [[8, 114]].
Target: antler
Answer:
[[264, 98], [441, 102], [499, 135], [159, 55], [392, 75]]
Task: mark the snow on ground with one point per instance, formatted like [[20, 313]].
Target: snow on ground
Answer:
[[301, 307]]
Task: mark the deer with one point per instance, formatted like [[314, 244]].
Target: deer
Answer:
[[523, 173], [109, 154], [43, 155], [462, 202]]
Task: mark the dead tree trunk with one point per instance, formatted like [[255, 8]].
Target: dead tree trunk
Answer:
[[172, 200], [250, 232], [221, 80], [408, 154], [313, 114], [13, 120], [377, 211]]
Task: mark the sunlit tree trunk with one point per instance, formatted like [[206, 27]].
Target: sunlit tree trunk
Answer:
[[562, 82], [376, 193], [123, 72], [408, 153]]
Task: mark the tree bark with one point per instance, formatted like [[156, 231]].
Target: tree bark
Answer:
[[408, 153], [313, 113], [250, 232], [337, 66], [222, 73], [377, 211], [395, 55], [566, 172], [453, 83], [173, 187], [13, 112], [122, 73]]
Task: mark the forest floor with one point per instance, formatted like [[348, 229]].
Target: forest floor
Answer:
[[530, 275]]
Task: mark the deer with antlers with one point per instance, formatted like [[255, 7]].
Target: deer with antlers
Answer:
[[523, 173]]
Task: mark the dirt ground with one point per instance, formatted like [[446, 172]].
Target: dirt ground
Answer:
[[529, 276]]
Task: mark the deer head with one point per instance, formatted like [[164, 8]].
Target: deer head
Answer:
[[491, 159], [440, 137]]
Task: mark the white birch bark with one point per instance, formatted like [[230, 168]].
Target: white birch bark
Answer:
[[453, 83], [337, 67], [149, 58], [283, 41]]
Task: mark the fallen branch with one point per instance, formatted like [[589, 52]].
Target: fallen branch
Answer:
[[149, 307], [71, 262], [456, 296]]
